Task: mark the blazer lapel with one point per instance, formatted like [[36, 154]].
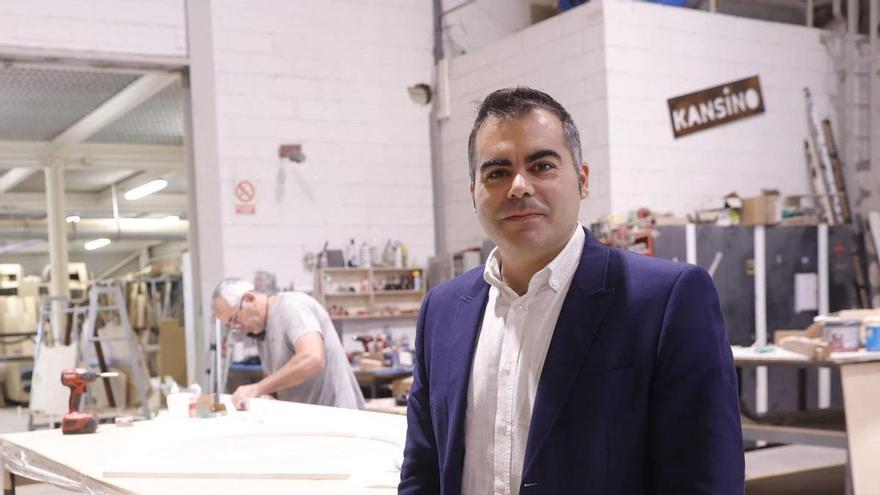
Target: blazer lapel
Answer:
[[581, 316], [462, 341]]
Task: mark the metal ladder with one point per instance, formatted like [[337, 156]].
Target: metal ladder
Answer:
[[77, 313], [135, 358]]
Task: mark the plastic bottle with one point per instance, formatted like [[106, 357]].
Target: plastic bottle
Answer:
[[417, 279], [404, 255], [351, 254], [364, 260]]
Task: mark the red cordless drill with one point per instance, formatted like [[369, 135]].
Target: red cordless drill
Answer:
[[75, 422]]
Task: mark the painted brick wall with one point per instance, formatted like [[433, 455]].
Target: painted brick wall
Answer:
[[147, 27], [563, 56], [614, 64], [655, 52], [332, 76]]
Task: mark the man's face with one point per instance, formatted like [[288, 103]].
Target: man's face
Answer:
[[526, 191], [246, 317]]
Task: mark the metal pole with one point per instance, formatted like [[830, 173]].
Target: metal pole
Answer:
[[761, 391], [437, 184], [690, 237], [59, 284], [824, 309], [874, 83], [809, 13]]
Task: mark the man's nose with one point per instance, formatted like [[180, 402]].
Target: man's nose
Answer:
[[520, 187]]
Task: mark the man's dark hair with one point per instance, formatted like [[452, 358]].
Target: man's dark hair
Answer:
[[512, 103]]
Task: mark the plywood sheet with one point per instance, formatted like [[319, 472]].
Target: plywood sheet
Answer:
[[861, 383]]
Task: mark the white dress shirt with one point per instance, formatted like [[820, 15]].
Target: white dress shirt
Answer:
[[507, 366]]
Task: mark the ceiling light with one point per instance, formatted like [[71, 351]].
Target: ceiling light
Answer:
[[73, 219], [146, 189], [96, 244]]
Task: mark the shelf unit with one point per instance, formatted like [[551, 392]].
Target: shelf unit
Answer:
[[358, 294]]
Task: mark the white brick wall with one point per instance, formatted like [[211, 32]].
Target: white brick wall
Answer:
[[562, 56], [614, 64], [145, 27], [332, 76], [654, 53]]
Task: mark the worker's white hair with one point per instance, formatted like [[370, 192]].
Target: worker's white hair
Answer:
[[232, 290]]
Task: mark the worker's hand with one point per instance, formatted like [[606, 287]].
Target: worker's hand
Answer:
[[243, 393]]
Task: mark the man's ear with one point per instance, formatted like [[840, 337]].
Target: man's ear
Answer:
[[584, 179], [249, 297], [473, 199]]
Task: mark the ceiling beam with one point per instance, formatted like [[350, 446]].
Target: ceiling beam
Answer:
[[141, 90], [92, 204], [14, 177], [33, 154], [116, 106]]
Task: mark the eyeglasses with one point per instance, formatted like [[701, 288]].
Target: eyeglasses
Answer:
[[233, 320]]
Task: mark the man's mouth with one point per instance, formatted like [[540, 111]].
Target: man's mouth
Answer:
[[526, 215]]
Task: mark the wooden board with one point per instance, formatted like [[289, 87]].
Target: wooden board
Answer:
[[860, 393], [83, 460]]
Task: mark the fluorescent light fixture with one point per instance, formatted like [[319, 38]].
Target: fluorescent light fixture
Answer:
[[146, 189], [96, 244], [73, 219], [171, 219]]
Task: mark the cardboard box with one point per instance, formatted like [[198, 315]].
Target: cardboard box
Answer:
[[761, 210], [172, 351]]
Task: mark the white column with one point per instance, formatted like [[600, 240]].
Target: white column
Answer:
[[201, 141], [824, 309], [761, 393], [690, 240], [59, 283]]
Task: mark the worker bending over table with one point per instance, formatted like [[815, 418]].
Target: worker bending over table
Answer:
[[300, 351]]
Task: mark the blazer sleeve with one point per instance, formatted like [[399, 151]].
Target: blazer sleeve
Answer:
[[420, 471], [695, 433]]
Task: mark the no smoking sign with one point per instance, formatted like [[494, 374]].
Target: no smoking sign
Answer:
[[245, 192]]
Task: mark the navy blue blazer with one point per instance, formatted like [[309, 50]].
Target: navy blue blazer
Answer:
[[638, 394]]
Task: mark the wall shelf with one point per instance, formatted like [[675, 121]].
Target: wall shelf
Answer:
[[356, 294]]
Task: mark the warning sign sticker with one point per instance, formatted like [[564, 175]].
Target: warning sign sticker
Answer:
[[245, 193]]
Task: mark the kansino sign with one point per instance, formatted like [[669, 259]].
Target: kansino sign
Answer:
[[715, 106]]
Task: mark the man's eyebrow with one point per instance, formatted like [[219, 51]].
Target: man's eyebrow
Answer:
[[541, 154], [492, 162]]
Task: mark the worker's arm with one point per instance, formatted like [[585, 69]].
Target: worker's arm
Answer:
[[307, 361]]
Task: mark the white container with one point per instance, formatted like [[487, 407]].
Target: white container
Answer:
[[842, 334], [178, 404]]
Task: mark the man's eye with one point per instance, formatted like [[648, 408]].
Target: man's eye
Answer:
[[495, 174], [543, 166]]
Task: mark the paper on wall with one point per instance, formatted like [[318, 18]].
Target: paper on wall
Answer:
[[806, 292]]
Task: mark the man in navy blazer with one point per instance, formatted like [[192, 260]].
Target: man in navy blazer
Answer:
[[564, 366]]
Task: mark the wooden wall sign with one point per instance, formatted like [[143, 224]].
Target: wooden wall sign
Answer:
[[711, 107]]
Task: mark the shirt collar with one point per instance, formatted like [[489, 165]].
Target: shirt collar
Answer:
[[556, 274]]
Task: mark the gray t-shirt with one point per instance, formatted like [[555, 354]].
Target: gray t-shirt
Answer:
[[293, 315]]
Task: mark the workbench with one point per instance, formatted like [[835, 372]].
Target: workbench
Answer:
[[860, 433], [276, 447]]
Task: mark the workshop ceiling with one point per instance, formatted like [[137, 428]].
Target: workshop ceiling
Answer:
[[37, 104], [139, 114], [159, 120]]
